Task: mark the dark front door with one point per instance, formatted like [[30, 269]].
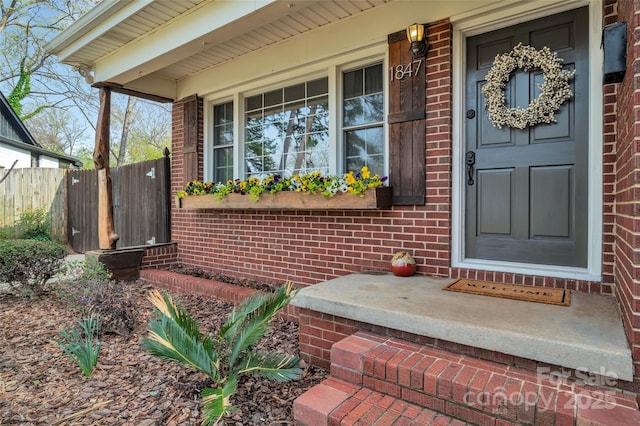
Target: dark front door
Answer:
[[526, 200]]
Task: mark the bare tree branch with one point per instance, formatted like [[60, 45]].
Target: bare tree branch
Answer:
[[8, 171]]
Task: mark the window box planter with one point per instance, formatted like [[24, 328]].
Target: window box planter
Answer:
[[374, 198]]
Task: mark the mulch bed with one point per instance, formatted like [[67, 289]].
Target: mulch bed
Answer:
[[220, 277], [40, 385]]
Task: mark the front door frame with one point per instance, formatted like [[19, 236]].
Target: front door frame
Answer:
[[489, 19]]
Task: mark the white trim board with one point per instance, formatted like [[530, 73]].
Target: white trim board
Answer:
[[493, 18]]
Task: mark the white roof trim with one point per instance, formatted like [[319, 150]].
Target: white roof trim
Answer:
[[103, 17], [177, 40]]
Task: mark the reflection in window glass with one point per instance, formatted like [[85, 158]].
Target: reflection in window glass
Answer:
[[363, 117], [287, 130], [223, 142]]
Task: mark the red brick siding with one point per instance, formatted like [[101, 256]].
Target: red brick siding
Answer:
[[625, 197], [313, 246], [439, 150], [608, 163], [160, 256]]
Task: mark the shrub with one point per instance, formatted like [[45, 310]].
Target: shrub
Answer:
[[88, 270], [174, 335], [7, 232], [81, 345], [87, 286], [35, 224], [28, 264]]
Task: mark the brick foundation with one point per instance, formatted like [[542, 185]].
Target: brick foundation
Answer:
[[381, 380], [160, 256]]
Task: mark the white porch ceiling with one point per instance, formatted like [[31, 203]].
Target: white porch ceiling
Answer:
[[158, 39]]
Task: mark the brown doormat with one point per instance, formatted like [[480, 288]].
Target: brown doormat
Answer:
[[550, 296]]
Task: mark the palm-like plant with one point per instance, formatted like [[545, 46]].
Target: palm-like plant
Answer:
[[174, 335]]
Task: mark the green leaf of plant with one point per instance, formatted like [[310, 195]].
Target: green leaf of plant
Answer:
[[272, 366], [217, 402], [248, 335], [81, 347], [174, 335], [260, 308], [170, 341]]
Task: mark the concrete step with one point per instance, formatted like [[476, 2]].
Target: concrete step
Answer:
[[458, 387], [588, 335]]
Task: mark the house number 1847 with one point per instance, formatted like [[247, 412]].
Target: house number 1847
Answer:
[[400, 71]]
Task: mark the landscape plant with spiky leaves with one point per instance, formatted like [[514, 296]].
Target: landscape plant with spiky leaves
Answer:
[[174, 335]]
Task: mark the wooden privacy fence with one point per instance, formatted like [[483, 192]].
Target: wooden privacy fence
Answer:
[[30, 189], [141, 205]]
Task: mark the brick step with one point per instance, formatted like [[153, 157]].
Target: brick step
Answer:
[[466, 388], [338, 403]]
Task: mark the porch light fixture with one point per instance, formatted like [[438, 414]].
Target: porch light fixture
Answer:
[[415, 35]]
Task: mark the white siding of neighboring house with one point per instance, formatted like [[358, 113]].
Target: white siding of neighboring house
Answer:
[[45, 161], [9, 154]]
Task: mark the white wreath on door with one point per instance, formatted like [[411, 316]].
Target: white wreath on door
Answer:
[[555, 89]]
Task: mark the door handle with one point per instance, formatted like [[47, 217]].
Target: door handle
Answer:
[[470, 161]]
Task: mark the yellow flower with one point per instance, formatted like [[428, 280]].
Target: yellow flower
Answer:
[[365, 172], [350, 179]]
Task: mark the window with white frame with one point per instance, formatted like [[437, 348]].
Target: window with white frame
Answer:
[[363, 118], [288, 131], [223, 142]]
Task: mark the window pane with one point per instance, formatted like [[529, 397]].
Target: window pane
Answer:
[[363, 115], [352, 82], [365, 147], [360, 108], [222, 142], [273, 98], [353, 112], [223, 135], [373, 79], [294, 93], [373, 108], [222, 114], [317, 87], [253, 103], [223, 164], [291, 135]]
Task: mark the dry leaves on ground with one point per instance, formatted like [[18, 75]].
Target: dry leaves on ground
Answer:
[[40, 385]]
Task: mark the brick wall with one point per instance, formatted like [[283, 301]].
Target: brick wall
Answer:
[[608, 162], [160, 256], [626, 193], [313, 246]]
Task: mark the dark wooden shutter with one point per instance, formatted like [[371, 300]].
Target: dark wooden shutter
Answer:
[[407, 100], [190, 123]]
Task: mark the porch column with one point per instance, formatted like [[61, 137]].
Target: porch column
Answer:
[[107, 236]]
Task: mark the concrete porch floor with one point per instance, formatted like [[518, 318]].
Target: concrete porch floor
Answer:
[[588, 335]]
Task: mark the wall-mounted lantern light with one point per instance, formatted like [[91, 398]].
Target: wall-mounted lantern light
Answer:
[[415, 35]]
